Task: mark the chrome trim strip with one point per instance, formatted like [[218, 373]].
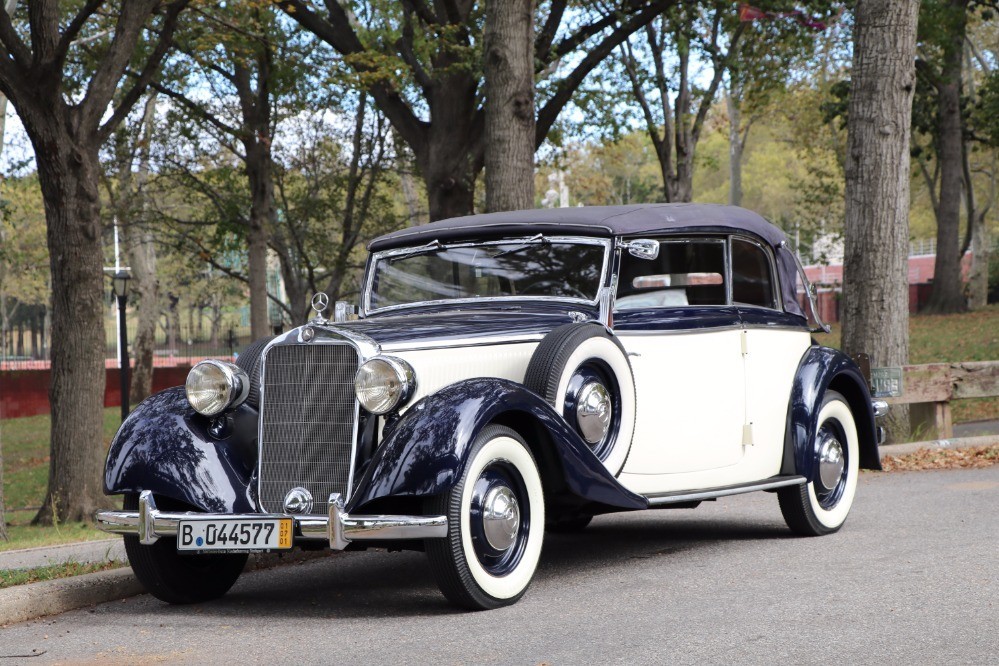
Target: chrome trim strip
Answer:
[[366, 308], [462, 342], [680, 331], [709, 329], [362, 344], [340, 528], [697, 495]]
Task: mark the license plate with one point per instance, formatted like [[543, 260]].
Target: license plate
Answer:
[[224, 534]]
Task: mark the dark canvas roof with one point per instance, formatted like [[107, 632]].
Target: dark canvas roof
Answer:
[[634, 220], [589, 221]]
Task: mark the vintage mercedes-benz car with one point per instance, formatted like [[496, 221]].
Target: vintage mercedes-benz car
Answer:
[[503, 375]]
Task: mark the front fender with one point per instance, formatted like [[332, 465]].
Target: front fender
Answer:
[[822, 369], [164, 446], [425, 452]]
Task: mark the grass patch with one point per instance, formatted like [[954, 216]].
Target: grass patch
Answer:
[[971, 336], [25, 443], [12, 577]]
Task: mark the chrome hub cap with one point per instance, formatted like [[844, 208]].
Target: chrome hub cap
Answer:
[[500, 517], [831, 461], [593, 412]]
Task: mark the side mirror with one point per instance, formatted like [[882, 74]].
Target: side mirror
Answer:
[[644, 248]]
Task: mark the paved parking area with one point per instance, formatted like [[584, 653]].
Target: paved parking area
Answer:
[[912, 577]]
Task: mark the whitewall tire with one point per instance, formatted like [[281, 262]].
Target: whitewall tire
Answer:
[[496, 524], [822, 505]]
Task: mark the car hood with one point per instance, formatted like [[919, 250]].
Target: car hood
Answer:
[[455, 328]]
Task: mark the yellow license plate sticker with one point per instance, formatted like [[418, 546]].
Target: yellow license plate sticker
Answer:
[[285, 533]]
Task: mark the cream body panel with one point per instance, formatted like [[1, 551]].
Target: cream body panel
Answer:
[[771, 364], [690, 401], [437, 368]]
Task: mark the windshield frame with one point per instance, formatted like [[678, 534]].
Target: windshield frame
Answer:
[[369, 273]]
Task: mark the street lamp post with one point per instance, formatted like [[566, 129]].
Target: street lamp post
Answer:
[[120, 283]]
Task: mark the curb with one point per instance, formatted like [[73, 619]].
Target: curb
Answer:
[[28, 602], [938, 444], [51, 597]]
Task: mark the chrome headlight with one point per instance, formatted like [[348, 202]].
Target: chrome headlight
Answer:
[[215, 386], [384, 383]]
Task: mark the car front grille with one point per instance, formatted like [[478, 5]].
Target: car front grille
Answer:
[[307, 416]]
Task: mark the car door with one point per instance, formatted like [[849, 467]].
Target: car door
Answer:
[[684, 342], [774, 344]]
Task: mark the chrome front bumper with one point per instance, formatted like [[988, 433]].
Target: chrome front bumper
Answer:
[[339, 528]]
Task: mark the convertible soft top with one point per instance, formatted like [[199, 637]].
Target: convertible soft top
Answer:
[[604, 221], [608, 221]]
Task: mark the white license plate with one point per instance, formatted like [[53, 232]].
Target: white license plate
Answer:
[[234, 534]]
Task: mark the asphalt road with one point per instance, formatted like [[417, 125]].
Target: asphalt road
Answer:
[[913, 577]]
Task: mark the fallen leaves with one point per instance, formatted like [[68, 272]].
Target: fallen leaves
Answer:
[[942, 459]]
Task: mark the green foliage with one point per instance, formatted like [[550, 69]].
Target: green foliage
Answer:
[[23, 256], [985, 114]]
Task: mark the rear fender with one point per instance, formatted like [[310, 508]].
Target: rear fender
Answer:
[[822, 369], [164, 447], [425, 452]]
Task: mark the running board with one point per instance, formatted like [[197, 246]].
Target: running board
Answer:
[[724, 491]]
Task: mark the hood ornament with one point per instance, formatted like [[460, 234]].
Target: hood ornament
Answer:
[[320, 302]]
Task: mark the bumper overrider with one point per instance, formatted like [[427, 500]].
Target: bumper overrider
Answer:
[[338, 528]]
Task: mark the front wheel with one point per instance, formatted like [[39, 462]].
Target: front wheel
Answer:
[[496, 524], [821, 506], [180, 579]]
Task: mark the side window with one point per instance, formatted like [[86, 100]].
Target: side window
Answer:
[[687, 272], [752, 280]]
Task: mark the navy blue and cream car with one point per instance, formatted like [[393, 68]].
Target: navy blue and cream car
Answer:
[[503, 375]]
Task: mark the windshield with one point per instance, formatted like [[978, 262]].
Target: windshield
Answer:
[[532, 267]]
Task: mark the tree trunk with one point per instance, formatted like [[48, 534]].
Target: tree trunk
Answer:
[[8, 6], [875, 280], [409, 195], [172, 325], [981, 251], [296, 288], [508, 44], [69, 178], [735, 146], [948, 293], [261, 208], [142, 257], [447, 164]]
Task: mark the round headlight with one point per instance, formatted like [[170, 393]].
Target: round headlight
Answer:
[[215, 386], [383, 383]]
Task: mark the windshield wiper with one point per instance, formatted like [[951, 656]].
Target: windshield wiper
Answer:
[[533, 240], [430, 248]]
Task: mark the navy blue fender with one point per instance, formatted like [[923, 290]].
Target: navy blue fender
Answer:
[[164, 446], [425, 452], [822, 369]]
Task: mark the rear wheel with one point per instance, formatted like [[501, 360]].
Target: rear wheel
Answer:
[[180, 579], [821, 506], [496, 519]]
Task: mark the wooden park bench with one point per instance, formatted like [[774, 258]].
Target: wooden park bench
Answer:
[[928, 389]]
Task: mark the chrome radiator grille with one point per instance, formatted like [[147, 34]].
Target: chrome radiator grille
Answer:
[[307, 417]]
